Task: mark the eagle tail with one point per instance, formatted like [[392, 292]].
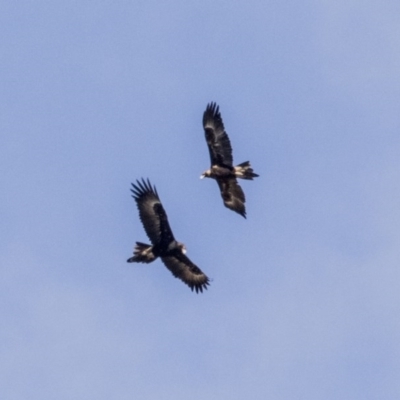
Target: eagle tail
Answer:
[[142, 253], [244, 171]]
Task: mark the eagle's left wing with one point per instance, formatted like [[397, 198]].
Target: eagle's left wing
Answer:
[[217, 139], [182, 268]]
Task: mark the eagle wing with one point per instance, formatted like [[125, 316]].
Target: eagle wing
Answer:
[[152, 213], [182, 268], [232, 194], [217, 139]]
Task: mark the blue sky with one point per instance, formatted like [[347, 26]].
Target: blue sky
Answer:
[[305, 299]]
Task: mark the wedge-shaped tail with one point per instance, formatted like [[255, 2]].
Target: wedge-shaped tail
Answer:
[[244, 171], [142, 253]]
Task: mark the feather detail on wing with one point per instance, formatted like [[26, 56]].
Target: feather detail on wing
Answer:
[[182, 268], [151, 212], [217, 139], [232, 195]]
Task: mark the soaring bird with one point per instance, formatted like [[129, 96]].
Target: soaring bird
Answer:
[[172, 253], [222, 169]]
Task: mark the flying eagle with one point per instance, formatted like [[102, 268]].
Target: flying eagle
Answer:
[[172, 253], [222, 169]]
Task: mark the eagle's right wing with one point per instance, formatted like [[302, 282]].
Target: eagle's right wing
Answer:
[[152, 213], [232, 195]]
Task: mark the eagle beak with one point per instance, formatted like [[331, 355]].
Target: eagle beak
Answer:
[[202, 176]]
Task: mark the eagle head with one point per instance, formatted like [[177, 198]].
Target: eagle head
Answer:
[[181, 247], [205, 174]]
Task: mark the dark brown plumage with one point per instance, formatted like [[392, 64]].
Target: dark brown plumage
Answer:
[[172, 253], [222, 169]]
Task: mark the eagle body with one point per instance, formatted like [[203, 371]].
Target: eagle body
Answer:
[[222, 169], [145, 253], [164, 245], [219, 171]]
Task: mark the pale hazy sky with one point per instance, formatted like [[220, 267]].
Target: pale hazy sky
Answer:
[[305, 300]]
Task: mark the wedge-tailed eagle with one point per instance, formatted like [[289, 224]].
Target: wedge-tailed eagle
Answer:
[[172, 253], [222, 169]]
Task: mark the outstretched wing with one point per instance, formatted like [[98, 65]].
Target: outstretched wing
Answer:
[[218, 141], [182, 268], [232, 194], [152, 213]]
